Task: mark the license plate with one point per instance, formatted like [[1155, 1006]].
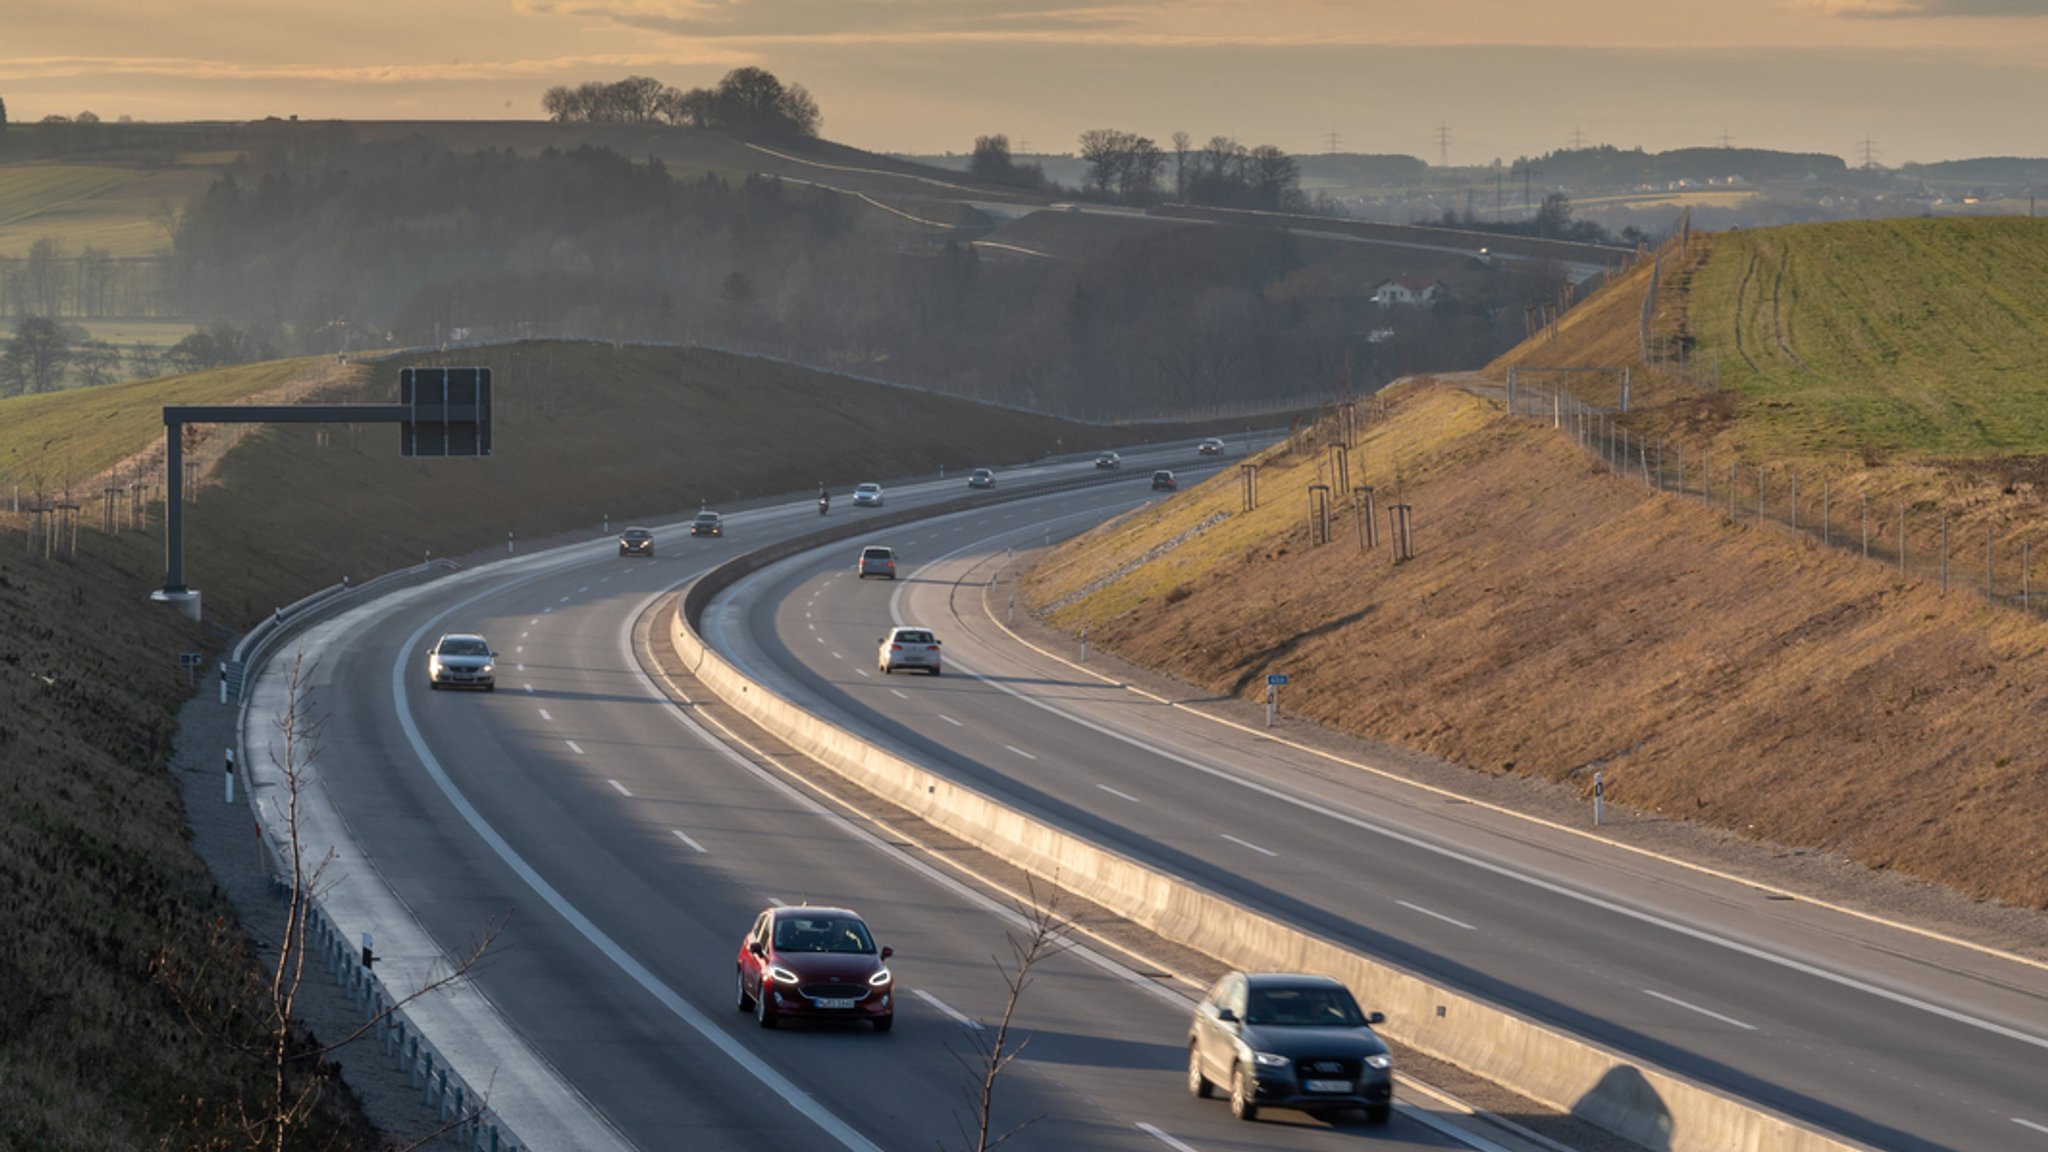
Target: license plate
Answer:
[[1328, 1085], [833, 1003]]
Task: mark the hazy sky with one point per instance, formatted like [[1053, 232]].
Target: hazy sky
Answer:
[[1919, 79]]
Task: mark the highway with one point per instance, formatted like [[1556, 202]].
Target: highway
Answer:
[[624, 854], [1886, 1037]]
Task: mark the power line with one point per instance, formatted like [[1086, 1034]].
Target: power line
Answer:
[[1330, 142], [1870, 152], [1443, 144], [1578, 137], [1727, 141]]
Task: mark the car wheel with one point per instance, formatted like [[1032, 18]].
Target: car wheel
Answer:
[[491, 687], [762, 1012], [1378, 1113], [1242, 1095], [739, 988], [884, 1023], [885, 669], [935, 669], [434, 684], [1198, 1084]]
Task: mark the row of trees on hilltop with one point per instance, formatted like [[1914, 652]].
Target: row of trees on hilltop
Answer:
[[1131, 169], [747, 102], [44, 355]]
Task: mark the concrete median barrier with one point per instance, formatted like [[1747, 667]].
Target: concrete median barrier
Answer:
[[1647, 1105]]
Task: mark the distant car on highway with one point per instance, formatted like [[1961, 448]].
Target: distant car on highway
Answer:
[[1109, 460], [1163, 481], [815, 963], [1289, 1040], [908, 648], [1213, 446], [636, 542], [708, 524], [867, 495], [981, 478], [875, 560], [464, 660]]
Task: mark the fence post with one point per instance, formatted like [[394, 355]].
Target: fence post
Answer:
[[1825, 491], [1731, 489], [1988, 585], [2026, 576], [1759, 494], [1902, 539], [1795, 501], [1866, 525], [1944, 552]]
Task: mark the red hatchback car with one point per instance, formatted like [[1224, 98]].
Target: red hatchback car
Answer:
[[814, 963]]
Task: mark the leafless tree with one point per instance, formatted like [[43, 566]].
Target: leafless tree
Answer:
[[297, 1065], [990, 1054]]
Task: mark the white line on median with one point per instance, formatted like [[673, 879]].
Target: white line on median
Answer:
[[574, 747], [953, 722], [619, 786], [1249, 844], [942, 1006], [687, 840], [1114, 792], [1698, 1009], [1438, 915], [1020, 751], [1169, 1141]]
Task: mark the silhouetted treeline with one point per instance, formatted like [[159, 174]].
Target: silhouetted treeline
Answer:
[[344, 246], [748, 102], [1130, 169]]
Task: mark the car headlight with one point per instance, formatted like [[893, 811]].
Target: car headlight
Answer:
[[486, 669], [781, 975], [880, 978], [1269, 1060], [1381, 1061]]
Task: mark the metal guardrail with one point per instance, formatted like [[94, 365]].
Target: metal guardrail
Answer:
[[257, 642]]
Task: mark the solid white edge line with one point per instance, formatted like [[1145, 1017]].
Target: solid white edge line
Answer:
[[2030, 1124], [678, 834], [958, 1017], [1696, 1008], [621, 787]]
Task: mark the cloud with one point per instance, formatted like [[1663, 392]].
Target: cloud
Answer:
[[1922, 9], [875, 19]]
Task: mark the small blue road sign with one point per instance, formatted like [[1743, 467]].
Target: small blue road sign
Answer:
[[1276, 678]]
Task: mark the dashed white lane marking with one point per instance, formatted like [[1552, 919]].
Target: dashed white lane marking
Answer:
[[619, 786], [835, 655], [548, 609], [687, 840], [777, 903], [528, 687], [574, 747], [1438, 915], [1249, 844], [535, 620], [1700, 1010], [950, 720], [807, 615], [958, 1018], [585, 588], [563, 600], [519, 648], [1020, 751], [862, 671], [519, 667], [1163, 1138], [524, 635], [819, 639], [544, 715], [1114, 792], [897, 694]]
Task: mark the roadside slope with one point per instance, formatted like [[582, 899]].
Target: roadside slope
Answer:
[[1557, 620]]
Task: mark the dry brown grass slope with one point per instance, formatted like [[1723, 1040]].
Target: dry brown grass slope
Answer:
[[1558, 619]]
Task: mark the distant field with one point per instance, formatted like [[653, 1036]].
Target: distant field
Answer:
[[1725, 198], [111, 208], [1917, 336], [125, 334]]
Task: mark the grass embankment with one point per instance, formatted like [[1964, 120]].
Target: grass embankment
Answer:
[[1557, 620], [96, 882], [118, 210]]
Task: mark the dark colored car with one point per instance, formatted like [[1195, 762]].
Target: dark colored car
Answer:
[[1163, 481], [814, 963], [708, 524], [981, 478], [636, 542], [1289, 1040], [876, 560], [1213, 446], [1109, 460]]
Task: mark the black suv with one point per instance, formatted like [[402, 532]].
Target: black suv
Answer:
[[1289, 1040], [636, 542], [708, 524]]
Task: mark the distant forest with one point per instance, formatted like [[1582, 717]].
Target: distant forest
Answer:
[[340, 245]]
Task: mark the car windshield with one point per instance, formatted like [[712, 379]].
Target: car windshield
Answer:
[[869, 488], [637, 533], [875, 554], [707, 517], [1303, 1007], [822, 934], [913, 637], [467, 647]]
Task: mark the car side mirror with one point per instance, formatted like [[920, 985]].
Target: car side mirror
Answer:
[[494, 655], [887, 951], [754, 946], [1226, 1016], [1375, 1017]]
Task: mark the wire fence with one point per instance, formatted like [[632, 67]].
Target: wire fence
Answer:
[[1920, 539]]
